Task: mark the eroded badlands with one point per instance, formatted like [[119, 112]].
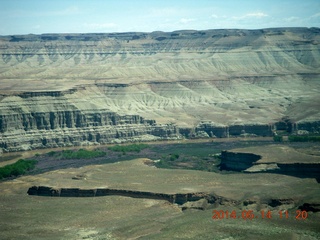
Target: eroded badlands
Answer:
[[81, 89]]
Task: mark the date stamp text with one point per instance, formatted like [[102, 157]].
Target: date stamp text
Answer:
[[249, 215]]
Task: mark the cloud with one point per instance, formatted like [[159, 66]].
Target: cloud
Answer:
[[256, 15], [317, 15], [214, 16], [292, 19], [251, 15]]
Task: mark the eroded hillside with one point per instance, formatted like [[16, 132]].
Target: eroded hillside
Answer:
[[75, 89]]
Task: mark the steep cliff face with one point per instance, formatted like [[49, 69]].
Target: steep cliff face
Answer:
[[74, 128], [273, 159], [82, 86], [237, 161], [178, 198]]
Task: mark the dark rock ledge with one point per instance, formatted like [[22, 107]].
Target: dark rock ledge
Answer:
[[240, 161], [198, 200], [179, 198]]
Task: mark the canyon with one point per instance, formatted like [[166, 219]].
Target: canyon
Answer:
[[62, 90], [217, 91]]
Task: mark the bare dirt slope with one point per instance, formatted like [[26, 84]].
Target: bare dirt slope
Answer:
[[241, 74]]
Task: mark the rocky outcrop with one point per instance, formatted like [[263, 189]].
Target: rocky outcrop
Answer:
[[235, 130], [26, 130], [310, 207], [248, 162], [58, 128], [186, 201], [201, 204], [178, 198], [291, 126], [310, 127], [86, 136], [237, 161], [303, 170], [67, 119]]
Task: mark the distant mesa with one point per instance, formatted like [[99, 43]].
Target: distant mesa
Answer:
[[87, 89]]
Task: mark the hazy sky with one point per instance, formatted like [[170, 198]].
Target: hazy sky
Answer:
[[83, 16]]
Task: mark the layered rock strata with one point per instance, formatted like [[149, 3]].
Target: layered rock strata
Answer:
[[75, 128], [80, 89]]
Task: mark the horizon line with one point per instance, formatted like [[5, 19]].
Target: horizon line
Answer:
[[179, 30]]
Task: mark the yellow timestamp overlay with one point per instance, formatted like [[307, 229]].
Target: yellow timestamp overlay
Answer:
[[250, 215]]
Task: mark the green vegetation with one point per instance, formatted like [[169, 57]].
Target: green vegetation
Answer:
[[277, 138], [195, 156], [174, 157], [190, 149], [7, 158], [80, 154], [52, 153], [172, 161], [166, 161], [198, 156], [18, 168], [164, 164], [192, 156], [305, 138], [129, 148]]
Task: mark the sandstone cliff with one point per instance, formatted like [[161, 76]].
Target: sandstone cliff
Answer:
[[75, 89]]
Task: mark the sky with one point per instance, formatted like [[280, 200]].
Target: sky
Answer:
[[92, 16]]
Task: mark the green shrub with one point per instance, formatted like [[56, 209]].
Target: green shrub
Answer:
[[314, 138], [163, 164], [277, 138], [18, 168], [5, 172], [173, 157], [306, 138], [129, 148], [82, 153], [52, 153]]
